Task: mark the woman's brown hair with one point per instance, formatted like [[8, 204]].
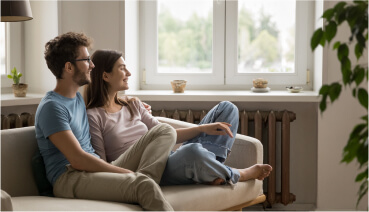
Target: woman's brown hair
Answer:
[[96, 93]]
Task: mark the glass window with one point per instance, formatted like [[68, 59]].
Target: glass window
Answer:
[[266, 36], [185, 36], [225, 44]]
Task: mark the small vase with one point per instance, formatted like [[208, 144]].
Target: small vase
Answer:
[[20, 90]]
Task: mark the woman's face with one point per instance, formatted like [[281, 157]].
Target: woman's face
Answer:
[[118, 78]]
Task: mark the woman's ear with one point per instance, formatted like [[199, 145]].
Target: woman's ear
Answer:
[[105, 76]]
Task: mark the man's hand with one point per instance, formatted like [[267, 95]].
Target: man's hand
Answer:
[[217, 128], [147, 107]]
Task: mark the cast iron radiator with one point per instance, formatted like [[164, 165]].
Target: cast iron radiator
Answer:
[[16, 121], [265, 126]]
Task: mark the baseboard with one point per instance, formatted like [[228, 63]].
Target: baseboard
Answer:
[[281, 207]]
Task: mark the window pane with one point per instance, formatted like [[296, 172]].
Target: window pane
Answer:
[[185, 36], [266, 36], [2, 49]]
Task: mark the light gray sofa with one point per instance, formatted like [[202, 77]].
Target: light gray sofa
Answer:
[[19, 191]]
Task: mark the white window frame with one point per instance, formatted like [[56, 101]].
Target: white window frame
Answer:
[[13, 53], [225, 75], [303, 59], [150, 65]]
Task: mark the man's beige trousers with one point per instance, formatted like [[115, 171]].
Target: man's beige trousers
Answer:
[[147, 158]]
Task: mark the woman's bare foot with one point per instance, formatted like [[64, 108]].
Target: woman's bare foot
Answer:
[[257, 171], [217, 181]]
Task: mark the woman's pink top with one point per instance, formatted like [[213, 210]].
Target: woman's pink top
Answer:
[[113, 133]]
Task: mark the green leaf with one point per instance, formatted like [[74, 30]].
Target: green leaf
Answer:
[[336, 45], [324, 89], [339, 6], [10, 76], [362, 154], [361, 39], [350, 150], [346, 70], [340, 13], [14, 71], [330, 31], [323, 103], [358, 50], [19, 75], [359, 74], [362, 192], [334, 91], [357, 130], [363, 97], [315, 40], [365, 118], [343, 51], [328, 14], [362, 176]]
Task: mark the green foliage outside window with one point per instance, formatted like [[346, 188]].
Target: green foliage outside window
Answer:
[[189, 43]]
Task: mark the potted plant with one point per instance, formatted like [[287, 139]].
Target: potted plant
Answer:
[[19, 89]]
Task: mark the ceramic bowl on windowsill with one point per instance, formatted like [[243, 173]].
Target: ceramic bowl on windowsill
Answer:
[[294, 89]]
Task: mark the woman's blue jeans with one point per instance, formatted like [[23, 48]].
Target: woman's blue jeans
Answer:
[[201, 159]]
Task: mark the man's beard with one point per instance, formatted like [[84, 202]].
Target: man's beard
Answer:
[[80, 78]]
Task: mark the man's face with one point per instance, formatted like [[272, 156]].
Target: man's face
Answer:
[[83, 67]]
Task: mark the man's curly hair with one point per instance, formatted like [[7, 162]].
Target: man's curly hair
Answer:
[[62, 49]]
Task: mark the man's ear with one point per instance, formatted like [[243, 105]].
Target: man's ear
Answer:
[[68, 67]]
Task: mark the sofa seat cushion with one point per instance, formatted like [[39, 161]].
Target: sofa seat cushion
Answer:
[[43, 203], [182, 198], [211, 198]]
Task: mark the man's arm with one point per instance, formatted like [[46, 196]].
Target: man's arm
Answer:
[[67, 143]]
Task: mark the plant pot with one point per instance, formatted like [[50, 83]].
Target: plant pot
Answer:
[[20, 90]]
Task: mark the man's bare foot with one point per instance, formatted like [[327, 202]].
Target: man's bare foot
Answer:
[[257, 171]]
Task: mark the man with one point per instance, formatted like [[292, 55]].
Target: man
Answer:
[[63, 137]]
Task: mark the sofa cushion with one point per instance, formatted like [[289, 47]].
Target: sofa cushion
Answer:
[[39, 172], [182, 198], [43, 203], [211, 198]]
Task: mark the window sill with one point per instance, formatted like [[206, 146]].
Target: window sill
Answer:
[[236, 96], [11, 100]]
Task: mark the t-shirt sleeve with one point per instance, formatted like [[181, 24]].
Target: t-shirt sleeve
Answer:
[[97, 139], [149, 120], [53, 118]]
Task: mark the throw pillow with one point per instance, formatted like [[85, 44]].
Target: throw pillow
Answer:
[[39, 172]]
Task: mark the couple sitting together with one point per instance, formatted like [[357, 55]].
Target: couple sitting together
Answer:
[[116, 150]]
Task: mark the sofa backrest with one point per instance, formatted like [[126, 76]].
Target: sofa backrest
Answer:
[[17, 148]]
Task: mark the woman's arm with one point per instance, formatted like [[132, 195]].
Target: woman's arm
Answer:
[[97, 139], [217, 128]]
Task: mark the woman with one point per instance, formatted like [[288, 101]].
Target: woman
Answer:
[[116, 126]]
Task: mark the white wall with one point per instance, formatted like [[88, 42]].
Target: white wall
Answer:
[[103, 21], [37, 32], [336, 187]]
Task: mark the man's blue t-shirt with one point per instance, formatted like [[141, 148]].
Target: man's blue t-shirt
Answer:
[[57, 113]]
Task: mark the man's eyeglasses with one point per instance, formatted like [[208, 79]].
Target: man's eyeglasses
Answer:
[[86, 59]]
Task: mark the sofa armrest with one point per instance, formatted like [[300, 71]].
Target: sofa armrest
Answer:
[[6, 202], [246, 151]]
